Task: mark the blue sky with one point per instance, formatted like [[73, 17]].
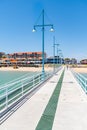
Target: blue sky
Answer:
[[69, 18]]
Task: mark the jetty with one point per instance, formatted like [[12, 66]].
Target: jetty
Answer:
[[58, 104]]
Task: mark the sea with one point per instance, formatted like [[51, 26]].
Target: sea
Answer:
[[84, 74], [8, 76]]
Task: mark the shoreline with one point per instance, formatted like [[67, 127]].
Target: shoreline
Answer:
[[80, 70], [27, 69], [39, 69]]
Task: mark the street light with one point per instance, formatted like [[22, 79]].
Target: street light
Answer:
[[61, 57], [54, 53], [54, 44], [57, 52], [34, 30], [60, 54], [42, 26]]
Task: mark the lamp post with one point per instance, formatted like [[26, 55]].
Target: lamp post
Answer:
[[57, 51], [43, 25], [54, 53], [60, 53], [60, 58]]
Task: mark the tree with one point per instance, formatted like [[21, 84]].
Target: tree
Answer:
[[67, 60]]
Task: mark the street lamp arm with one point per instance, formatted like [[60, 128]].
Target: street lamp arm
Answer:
[[43, 25], [57, 44]]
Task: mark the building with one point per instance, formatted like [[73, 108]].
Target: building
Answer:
[[70, 61], [73, 61], [84, 61], [2, 54], [57, 59], [29, 56], [22, 59]]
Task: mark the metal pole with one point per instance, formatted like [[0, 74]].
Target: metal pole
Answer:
[[61, 58], [43, 44], [57, 53], [6, 97], [54, 52], [42, 26]]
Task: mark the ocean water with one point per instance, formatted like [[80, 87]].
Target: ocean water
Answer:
[[84, 74], [8, 76]]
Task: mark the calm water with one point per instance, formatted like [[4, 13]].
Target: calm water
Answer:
[[7, 76], [84, 74]]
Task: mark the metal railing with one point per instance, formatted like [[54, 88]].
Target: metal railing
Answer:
[[81, 79], [16, 90], [12, 92]]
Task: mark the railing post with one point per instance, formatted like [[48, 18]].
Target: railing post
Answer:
[[22, 87], [6, 97], [33, 80], [39, 78], [86, 86]]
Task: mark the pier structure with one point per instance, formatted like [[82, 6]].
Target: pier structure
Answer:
[[59, 104]]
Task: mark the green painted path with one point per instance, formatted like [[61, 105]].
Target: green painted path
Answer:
[[46, 121]]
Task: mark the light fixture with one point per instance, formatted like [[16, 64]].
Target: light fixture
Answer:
[[34, 29], [52, 29]]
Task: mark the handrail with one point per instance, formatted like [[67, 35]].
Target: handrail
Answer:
[[81, 79], [16, 80], [13, 91]]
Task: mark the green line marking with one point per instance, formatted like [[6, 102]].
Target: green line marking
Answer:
[[47, 118]]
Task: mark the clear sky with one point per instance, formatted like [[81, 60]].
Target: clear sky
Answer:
[[69, 18]]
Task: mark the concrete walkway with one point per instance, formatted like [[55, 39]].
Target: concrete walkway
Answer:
[[71, 109], [71, 112]]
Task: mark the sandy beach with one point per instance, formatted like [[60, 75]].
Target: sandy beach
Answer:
[[80, 70], [35, 69], [31, 69]]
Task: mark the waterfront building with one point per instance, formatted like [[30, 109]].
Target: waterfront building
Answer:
[[57, 59], [84, 61], [2, 54], [29, 56]]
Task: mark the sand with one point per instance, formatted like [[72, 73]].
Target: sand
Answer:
[[35, 69], [32, 69], [80, 70]]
